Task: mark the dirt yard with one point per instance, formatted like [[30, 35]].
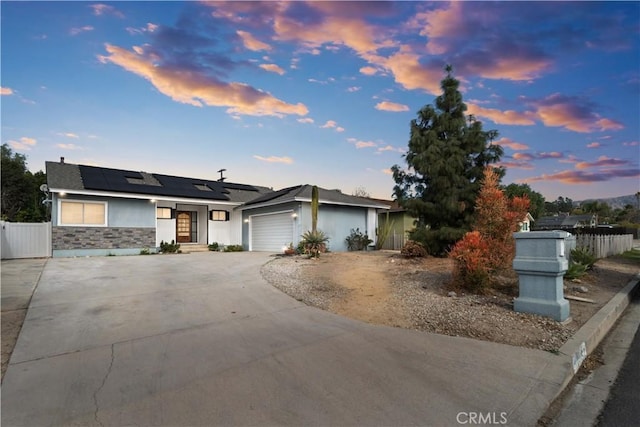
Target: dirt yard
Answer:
[[383, 288]]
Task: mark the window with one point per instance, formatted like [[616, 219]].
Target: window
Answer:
[[219, 216], [202, 187], [163, 213], [83, 213]]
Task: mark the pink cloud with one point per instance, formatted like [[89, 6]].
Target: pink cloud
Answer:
[[391, 148], [104, 9], [6, 91], [508, 117], [362, 144], [594, 145], [274, 159], [24, 143], [631, 144], [558, 110], [306, 120], [194, 88], [410, 73], [354, 88], [582, 177], [368, 70], [78, 30], [251, 43], [272, 68], [523, 156], [506, 142], [391, 106], [329, 124], [603, 161], [516, 165], [549, 155], [68, 146]]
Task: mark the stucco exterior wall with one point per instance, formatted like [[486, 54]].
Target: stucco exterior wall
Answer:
[[130, 227]]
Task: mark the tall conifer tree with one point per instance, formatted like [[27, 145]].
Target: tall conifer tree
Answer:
[[447, 154]]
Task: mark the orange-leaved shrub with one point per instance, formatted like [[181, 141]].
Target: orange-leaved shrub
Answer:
[[470, 268], [490, 247]]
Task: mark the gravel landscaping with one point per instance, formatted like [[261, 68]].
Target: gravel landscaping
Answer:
[[383, 288]]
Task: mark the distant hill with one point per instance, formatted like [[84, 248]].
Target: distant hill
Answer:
[[616, 202]]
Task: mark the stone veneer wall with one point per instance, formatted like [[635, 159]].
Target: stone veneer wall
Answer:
[[64, 238]]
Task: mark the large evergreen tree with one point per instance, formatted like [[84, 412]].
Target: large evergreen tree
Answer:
[[447, 154]]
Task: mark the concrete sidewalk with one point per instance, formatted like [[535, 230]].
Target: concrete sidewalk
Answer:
[[201, 339], [19, 278]]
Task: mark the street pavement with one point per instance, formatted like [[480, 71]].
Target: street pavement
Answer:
[[201, 339], [623, 406]]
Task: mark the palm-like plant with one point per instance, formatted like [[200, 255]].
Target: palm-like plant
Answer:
[[315, 243]]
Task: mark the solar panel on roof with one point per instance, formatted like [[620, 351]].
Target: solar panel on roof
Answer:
[[103, 179]]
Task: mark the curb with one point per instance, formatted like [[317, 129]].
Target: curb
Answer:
[[582, 344]]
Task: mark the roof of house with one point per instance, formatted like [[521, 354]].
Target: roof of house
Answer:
[[393, 205], [71, 177], [303, 193], [562, 221]]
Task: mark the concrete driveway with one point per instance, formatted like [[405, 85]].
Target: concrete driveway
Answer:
[[201, 339]]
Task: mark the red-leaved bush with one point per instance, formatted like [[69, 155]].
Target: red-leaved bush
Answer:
[[490, 247]]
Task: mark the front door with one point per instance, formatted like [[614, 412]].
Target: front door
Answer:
[[183, 227]]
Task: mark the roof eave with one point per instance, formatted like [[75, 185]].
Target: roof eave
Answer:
[[143, 197]]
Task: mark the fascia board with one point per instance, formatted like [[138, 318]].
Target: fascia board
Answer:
[[143, 196], [300, 199]]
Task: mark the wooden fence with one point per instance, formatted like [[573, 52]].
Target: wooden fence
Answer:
[[602, 246], [395, 241], [25, 240]]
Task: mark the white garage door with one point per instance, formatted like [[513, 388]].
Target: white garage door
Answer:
[[271, 232]]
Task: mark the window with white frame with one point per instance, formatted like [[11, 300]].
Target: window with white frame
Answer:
[[163, 213], [74, 212]]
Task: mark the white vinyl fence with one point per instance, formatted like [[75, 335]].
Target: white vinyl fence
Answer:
[[606, 245], [25, 240]]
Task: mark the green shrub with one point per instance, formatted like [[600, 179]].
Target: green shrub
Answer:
[[413, 249], [314, 243], [169, 248], [575, 271], [214, 246], [145, 251], [233, 248], [437, 242], [582, 256], [357, 241]]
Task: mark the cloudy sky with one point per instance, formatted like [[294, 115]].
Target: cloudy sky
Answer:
[[287, 93]]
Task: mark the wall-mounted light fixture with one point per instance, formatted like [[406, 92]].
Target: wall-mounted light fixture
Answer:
[[294, 215], [152, 200], [246, 220], [62, 193]]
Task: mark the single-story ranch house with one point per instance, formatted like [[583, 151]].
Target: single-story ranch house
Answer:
[[101, 211]]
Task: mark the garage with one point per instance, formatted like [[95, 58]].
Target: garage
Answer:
[[271, 232]]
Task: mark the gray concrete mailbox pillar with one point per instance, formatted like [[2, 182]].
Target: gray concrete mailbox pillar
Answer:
[[541, 261]]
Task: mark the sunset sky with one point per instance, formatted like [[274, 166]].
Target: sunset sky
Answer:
[[288, 93]]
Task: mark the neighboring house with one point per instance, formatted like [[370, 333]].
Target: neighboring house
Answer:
[[276, 219], [565, 222], [401, 222], [101, 211], [525, 225]]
